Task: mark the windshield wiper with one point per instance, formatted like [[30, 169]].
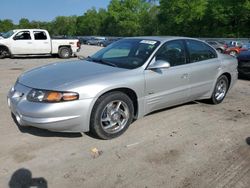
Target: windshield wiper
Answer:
[[101, 61]]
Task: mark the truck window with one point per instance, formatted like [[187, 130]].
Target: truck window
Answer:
[[40, 35], [23, 35]]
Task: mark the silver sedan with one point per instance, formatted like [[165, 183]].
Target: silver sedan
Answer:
[[125, 81]]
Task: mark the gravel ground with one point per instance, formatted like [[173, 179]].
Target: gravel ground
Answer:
[[192, 145]]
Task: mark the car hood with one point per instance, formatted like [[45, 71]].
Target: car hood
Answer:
[[54, 76]]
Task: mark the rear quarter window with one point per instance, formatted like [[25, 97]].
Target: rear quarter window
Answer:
[[200, 51]]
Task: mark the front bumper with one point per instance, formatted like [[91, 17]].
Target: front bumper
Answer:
[[70, 116]]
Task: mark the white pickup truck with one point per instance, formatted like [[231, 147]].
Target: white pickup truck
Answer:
[[36, 42]]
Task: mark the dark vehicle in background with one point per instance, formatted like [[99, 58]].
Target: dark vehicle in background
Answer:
[[220, 47], [109, 41], [83, 40], [96, 41], [244, 64]]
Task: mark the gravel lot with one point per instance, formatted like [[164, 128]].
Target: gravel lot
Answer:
[[192, 145]]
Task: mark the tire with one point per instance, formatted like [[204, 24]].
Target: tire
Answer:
[[3, 52], [111, 115], [65, 52], [219, 50], [233, 53], [220, 90]]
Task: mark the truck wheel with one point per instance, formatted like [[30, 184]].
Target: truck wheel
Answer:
[[3, 52], [64, 52]]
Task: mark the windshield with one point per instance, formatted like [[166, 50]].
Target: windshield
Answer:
[[126, 53], [8, 34]]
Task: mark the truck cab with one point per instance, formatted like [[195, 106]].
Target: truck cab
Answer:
[[36, 42]]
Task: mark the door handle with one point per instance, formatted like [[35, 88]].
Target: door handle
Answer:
[[29, 42], [185, 76], [46, 43]]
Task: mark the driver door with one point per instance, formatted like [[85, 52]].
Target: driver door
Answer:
[[170, 86], [22, 43]]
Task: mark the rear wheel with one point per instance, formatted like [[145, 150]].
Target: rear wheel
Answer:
[[111, 116], [64, 52], [220, 90]]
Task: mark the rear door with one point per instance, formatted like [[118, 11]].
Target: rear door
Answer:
[[204, 67], [41, 42], [22, 43], [167, 87]]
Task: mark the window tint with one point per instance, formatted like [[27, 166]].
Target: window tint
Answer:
[[23, 35], [199, 51], [172, 52], [40, 35], [119, 51], [126, 53]]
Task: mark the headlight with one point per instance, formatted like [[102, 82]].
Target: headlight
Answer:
[[36, 95]]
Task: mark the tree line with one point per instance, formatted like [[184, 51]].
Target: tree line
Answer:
[[194, 18]]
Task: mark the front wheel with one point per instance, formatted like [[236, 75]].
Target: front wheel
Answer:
[[111, 116], [220, 90], [3, 53], [64, 52]]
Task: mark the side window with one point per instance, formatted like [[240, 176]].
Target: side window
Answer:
[[199, 51], [172, 52], [40, 35], [23, 35]]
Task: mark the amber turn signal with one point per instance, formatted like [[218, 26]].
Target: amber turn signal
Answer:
[[70, 96], [54, 96]]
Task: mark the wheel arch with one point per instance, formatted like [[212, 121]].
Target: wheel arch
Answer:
[[67, 46], [129, 92], [7, 48], [229, 77]]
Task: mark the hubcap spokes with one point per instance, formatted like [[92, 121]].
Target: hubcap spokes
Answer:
[[114, 116], [221, 90]]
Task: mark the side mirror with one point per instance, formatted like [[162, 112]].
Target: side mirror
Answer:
[[159, 64]]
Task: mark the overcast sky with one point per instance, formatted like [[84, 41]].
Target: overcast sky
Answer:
[[46, 10]]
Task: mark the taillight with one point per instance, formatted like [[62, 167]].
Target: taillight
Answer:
[[78, 44]]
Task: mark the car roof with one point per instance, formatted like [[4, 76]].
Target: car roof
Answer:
[[161, 38]]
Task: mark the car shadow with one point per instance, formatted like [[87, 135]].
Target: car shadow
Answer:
[[23, 178], [36, 57], [42, 132], [40, 57]]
